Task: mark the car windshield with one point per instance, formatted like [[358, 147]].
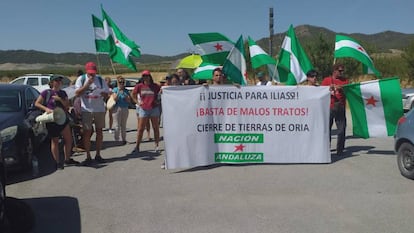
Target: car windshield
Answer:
[[10, 101]]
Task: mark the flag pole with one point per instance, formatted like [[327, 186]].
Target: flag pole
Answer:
[[97, 59], [112, 65], [274, 72]]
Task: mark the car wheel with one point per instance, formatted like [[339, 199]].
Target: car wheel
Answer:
[[405, 159], [3, 220]]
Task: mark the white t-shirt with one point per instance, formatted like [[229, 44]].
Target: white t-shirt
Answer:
[[91, 99], [268, 83]]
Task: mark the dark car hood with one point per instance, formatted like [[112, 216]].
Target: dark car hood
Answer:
[[8, 119]]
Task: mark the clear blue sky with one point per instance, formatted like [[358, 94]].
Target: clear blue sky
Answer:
[[161, 27]]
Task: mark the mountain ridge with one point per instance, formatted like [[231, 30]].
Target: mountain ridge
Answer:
[[382, 42]]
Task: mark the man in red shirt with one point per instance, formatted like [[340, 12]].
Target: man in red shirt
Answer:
[[338, 103]]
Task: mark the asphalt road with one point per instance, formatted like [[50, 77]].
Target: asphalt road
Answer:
[[362, 191]]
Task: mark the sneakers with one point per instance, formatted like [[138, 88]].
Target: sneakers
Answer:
[[136, 150], [163, 166], [111, 131], [157, 149], [86, 162], [71, 162], [99, 159], [59, 166]]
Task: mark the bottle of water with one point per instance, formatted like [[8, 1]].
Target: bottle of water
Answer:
[[35, 166]]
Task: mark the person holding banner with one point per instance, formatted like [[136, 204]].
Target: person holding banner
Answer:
[[48, 101], [312, 78], [263, 80], [218, 76], [338, 103], [149, 107]]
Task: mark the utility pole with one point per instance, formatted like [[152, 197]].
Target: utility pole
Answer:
[[270, 30]]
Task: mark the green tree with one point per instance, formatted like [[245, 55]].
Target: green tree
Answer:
[[408, 56], [320, 53]]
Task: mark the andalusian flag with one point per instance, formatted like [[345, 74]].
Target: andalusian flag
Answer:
[[235, 65], [204, 71], [293, 63], [348, 47], [375, 106], [258, 56], [121, 47], [102, 44], [214, 47]]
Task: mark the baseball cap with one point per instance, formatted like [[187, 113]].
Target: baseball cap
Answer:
[[146, 72], [90, 68]]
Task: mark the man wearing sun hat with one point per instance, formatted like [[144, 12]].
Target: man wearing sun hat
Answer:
[[92, 90]]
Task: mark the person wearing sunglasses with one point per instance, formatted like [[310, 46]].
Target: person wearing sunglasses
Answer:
[[338, 103], [120, 110], [312, 78]]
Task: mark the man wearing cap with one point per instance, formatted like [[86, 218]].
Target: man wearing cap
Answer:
[[93, 90], [338, 102], [312, 78], [262, 80]]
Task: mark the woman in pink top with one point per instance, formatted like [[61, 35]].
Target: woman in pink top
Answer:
[[146, 95]]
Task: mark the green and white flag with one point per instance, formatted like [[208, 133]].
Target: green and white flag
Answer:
[[121, 47], [375, 106], [235, 65], [347, 47], [214, 47], [293, 63], [204, 71], [258, 56], [102, 43]]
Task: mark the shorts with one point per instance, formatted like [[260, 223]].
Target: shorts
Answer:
[[154, 112], [89, 118], [54, 129]]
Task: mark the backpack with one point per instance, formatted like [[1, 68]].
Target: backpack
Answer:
[[84, 78]]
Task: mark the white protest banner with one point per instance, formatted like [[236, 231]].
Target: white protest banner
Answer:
[[205, 125]]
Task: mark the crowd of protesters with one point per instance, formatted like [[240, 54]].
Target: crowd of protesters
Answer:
[[93, 95]]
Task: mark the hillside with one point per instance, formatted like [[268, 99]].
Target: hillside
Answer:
[[384, 42]]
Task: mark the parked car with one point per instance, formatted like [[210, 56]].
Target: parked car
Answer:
[[404, 144], [40, 81], [2, 191], [407, 98], [20, 133], [129, 85]]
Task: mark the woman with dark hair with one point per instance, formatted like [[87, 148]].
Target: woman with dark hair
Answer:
[[49, 100], [146, 95]]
